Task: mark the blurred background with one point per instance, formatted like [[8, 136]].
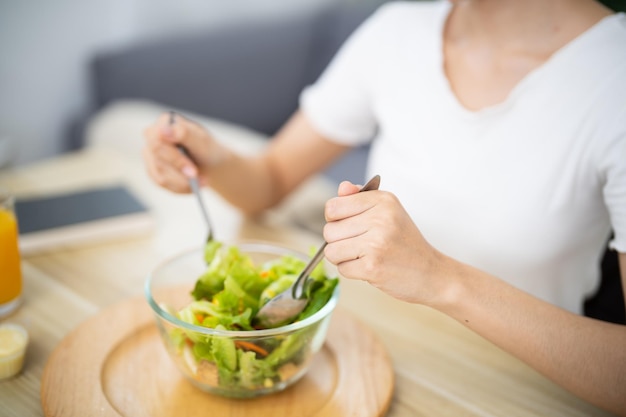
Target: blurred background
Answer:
[[47, 79], [243, 61]]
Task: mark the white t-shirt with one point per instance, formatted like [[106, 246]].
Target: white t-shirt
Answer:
[[529, 189]]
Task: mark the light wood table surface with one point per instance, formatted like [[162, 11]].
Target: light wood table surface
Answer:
[[441, 368]]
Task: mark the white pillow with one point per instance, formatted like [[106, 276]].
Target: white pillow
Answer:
[[120, 126]]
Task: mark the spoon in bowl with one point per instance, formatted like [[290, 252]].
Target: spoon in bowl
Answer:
[[289, 303], [195, 187]]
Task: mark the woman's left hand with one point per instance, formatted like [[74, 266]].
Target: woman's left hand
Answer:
[[372, 238]]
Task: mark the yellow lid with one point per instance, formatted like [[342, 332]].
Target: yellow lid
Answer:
[[13, 340]]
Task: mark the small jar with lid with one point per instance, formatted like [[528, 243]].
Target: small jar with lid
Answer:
[[13, 342]]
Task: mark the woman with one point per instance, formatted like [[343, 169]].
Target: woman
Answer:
[[500, 135]]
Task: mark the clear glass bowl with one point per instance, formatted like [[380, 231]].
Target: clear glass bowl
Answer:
[[284, 353]]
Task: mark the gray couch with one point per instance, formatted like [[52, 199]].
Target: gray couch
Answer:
[[249, 75]]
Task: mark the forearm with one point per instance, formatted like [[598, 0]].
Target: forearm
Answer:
[[371, 237], [585, 356], [246, 182], [256, 183]]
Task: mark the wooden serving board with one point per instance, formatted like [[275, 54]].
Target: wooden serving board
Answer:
[[115, 364]]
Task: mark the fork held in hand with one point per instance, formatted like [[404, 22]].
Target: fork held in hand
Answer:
[[298, 286], [195, 187], [284, 307]]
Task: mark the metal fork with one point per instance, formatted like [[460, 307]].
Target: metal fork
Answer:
[[195, 187], [289, 303]]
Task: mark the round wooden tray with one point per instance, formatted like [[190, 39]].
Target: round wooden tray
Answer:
[[115, 364]]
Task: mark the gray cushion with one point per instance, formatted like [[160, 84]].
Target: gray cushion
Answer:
[[248, 75]]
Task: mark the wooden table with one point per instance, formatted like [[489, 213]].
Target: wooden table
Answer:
[[441, 368]]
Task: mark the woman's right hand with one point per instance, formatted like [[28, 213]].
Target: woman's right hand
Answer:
[[164, 161]]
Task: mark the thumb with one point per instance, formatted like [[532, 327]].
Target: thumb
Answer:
[[347, 188]]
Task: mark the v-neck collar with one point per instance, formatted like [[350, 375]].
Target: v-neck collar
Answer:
[[552, 62]]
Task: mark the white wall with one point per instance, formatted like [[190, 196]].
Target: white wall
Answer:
[[46, 45]]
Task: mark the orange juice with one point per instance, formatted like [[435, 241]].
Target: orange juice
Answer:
[[10, 271]]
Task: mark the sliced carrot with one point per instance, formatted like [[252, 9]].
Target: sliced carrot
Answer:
[[251, 346]]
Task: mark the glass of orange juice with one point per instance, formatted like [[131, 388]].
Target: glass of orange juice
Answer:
[[10, 270]]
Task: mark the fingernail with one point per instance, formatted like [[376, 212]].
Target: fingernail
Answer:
[[167, 130], [189, 171]]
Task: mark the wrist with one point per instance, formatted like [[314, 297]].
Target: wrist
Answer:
[[455, 282], [216, 163], [218, 155]]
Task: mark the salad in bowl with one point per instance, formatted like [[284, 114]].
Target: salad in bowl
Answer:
[[205, 301]]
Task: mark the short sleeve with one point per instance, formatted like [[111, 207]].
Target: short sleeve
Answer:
[[339, 103], [614, 190]]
